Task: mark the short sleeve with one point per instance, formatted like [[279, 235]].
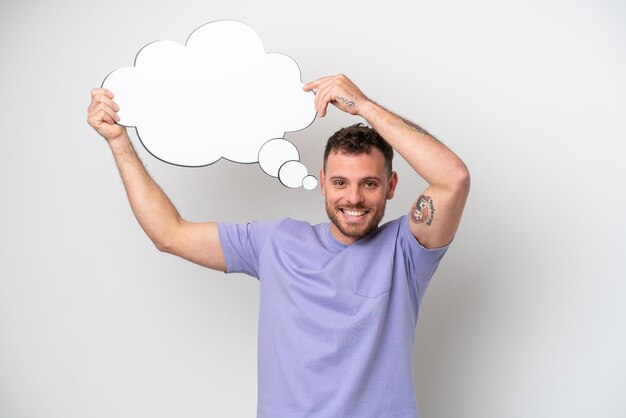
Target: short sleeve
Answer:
[[242, 245], [421, 262]]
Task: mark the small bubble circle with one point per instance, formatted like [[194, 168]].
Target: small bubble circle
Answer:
[[309, 182]]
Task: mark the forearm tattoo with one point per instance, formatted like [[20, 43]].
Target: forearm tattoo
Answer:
[[419, 129], [416, 127], [423, 212], [345, 101]]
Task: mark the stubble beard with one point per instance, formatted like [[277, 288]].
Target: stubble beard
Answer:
[[352, 229]]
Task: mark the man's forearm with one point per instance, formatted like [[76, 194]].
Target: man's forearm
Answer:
[[432, 160], [154, 211]]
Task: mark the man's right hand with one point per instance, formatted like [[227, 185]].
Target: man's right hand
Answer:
[[102, 115]]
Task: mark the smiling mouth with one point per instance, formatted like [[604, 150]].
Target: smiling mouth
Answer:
[[354, 213]]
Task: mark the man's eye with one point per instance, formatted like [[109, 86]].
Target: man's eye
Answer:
[[370, 184], [338, 183]]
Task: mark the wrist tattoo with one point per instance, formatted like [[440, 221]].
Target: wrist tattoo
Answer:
[[423, 212], [345, 101]]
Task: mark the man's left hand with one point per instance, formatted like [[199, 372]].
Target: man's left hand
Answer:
[[338, 90]]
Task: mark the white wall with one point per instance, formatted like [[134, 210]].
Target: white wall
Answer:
[[524, 317]]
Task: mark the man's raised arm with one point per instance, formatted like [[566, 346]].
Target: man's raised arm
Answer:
[[195, 241], [436, 212]]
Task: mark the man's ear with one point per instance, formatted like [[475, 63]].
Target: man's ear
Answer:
[[391, 186], [322, 182]]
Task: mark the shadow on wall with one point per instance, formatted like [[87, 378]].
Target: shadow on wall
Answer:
[[449, 314]]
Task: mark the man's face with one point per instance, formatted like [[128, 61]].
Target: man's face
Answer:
[[356, 188]]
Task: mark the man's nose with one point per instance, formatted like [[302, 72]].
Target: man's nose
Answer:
[[355, 195]]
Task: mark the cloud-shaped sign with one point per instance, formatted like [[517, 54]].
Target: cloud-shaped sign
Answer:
[[218, 96]]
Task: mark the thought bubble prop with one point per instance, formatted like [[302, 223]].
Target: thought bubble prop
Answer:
[[218, 96]]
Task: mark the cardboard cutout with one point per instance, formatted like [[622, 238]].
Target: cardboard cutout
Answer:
[[218, 96]]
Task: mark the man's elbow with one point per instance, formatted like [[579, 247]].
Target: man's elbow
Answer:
[[166, 238], [460, 180], [161, 246], [465, 178], [164, 244]]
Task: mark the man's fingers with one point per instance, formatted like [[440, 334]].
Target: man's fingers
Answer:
[[101, 110], [100, 99], [104, 107], [324, 95], [99, 120], [99, 95], [326, 98], [101, 91], [315, 83], [104, 116], [322, 103], [111, 113], [329, 89], [96, 119]]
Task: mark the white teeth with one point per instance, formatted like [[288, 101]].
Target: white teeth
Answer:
[[353, 213]]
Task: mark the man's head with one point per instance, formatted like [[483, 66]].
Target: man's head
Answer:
[[357, 179], [357, 139]]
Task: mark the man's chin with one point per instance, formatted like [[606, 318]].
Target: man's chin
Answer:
[[355, 230], [352, 232]]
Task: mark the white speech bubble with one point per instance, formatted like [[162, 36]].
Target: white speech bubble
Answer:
[[275, 153], [218, 96]]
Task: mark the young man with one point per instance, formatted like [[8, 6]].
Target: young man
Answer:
[[338, 301]]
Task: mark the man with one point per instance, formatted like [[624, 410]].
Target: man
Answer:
[[338, 301]]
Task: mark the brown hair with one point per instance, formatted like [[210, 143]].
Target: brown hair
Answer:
[[358, 139]]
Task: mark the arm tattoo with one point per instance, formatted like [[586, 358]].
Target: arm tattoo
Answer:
[[345, 101], [423, 212], [413, 125], [419, 129]]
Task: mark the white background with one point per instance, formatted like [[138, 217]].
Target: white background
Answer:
[[525, 316]]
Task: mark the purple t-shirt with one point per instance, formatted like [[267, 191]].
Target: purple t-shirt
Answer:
[[336, 322]]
